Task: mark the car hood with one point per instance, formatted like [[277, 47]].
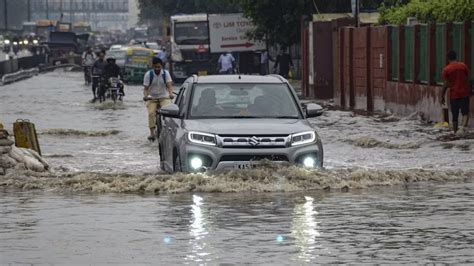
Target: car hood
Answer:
[[248, 126]]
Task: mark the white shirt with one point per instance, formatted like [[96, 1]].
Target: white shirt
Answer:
[[89, 59], [157, 88], [163, 56], [225, 61]]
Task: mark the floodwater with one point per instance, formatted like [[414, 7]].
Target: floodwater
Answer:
[[394, 190]]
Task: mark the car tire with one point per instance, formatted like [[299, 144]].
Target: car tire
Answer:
[[177, 163]]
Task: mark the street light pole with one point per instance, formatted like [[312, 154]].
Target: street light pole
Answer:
[[357, 13], [29, 10], [5, 15], [47, 9]]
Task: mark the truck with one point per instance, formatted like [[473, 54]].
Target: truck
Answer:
[[65, 47], [82, 27], [44, 27], [197, 41]]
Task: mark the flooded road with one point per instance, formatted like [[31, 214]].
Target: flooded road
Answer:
[[393, 190]]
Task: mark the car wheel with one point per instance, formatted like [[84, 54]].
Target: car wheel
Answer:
[[177, 163]]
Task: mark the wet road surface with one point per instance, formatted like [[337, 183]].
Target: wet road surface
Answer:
[[107, 202]]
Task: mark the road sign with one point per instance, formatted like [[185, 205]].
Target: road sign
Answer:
[[228, 34]]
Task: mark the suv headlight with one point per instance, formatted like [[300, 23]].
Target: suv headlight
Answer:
[[303, 138], [202, 138]]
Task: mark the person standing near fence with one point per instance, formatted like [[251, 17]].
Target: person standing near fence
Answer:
[[456, 79], [283, 63]]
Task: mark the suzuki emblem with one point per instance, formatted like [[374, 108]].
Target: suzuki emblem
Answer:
[[254, 141]]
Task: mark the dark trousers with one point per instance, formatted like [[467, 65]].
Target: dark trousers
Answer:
[[460, 104]]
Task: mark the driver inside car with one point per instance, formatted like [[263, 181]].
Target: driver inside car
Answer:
[[207, 103]]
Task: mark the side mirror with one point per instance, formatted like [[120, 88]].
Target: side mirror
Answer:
[[170, 110], [168, 31], [313, 110]]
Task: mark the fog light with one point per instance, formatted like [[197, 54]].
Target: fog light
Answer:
[[308, 162], [196, 163]]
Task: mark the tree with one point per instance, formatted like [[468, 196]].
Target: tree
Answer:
[[428, 11], [279, 20]]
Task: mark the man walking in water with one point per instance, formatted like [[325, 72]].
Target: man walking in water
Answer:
[[456, 78], [157, 92]]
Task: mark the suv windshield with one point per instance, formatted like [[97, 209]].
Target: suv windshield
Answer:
[[191, 33], [243, 101]]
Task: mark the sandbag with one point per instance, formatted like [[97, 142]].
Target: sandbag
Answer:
[[5, 149], [7, 162], [6, 142]]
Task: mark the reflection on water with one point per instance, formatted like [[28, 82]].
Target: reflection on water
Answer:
[[420, 224], [304, 229], [198, 232]]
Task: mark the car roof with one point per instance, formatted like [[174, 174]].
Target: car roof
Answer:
[[239, 79]]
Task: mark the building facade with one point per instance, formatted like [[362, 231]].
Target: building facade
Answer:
[[100, 14]]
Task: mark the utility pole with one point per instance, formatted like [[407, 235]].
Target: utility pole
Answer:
[[47, 9], [71, 11], [357, 13], [29, 9], [5, 15], [61, 10]]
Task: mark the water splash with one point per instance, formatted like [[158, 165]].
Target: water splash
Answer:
[[369, 142], [255, 180], [78, 133]]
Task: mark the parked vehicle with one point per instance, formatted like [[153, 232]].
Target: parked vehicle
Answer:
[[197, 41], [234, 122]]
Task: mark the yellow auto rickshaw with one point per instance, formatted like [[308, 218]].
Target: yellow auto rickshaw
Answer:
[[134, 62]]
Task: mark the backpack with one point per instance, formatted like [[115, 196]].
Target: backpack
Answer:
[[151, 74]]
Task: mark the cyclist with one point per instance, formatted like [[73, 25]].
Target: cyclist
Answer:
[[97, 72], [157, 92], [88, 59]]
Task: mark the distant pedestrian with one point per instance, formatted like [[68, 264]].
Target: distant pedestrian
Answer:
[[264, 58], [283, 63], [456, 79], [163, 55], [226, 63]]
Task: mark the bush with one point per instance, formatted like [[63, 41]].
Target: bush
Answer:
[[428, 11]]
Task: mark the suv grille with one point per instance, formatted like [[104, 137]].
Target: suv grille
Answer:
[[245, 158], [272, 141]]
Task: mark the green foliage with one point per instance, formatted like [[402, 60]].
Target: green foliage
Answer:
[[428, 11], [277, 21]]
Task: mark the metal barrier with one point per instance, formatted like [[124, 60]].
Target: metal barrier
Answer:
[[25, 135], [19, 75], [53, 67]]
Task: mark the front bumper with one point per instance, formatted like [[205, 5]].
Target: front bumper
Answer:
[[218, 158]]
